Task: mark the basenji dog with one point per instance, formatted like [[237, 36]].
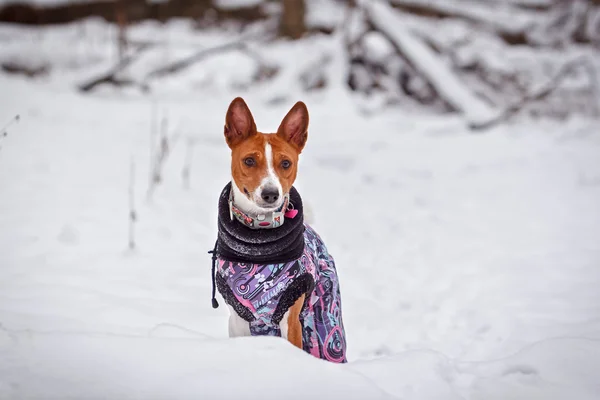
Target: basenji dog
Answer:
[[272, 269]]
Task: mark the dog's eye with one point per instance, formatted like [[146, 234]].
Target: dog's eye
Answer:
[[285, 164], [249, 161]]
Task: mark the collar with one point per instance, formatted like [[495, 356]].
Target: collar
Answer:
[[273, 219]]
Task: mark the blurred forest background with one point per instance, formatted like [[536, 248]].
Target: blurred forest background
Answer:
[[452, 168], [485, 59]]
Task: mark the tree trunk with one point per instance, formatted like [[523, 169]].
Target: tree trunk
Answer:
[[292, 19], [121, 18]]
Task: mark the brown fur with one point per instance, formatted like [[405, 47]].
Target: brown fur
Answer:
[[249, 177], [245, 141], [294, 326]]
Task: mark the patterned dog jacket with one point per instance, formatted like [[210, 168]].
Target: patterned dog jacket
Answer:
[[262, 292]]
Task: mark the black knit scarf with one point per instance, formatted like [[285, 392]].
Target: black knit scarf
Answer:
[[238, 243]]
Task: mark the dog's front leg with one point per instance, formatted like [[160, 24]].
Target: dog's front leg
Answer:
[[237, 325], [291, 329]]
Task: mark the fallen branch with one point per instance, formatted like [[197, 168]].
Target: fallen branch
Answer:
[[506, 26], [30, 71], [536, 5], [44, 13], [179, 65], [186, 62], [111, 75], [540, 94], [423, 59]]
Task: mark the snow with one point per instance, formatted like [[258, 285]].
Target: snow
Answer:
[[438, 74], [377, 47], [469, 263], [155, 366], [320, 13], [184, 368]]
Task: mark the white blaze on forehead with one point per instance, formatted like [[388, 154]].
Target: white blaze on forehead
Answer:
[[271, 178], [249, 202]]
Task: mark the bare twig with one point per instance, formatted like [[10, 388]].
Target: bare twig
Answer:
[[184, 63], [186, 172], [153, 124], [159, 156], [111, 75], [163, 151], [132, 212], [540, 94], [4, 130]]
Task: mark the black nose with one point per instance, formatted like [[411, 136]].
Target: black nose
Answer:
[[270, 195]]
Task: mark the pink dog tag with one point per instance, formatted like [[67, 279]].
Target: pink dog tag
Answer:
[[291, 214]]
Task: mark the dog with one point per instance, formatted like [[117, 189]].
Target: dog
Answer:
[[271, 268]]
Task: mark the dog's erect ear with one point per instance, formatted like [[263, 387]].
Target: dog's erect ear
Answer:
[[239, 123], [294, 127]]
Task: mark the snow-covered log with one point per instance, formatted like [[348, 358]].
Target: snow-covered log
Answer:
[[542, 92], [35, 12], [510, 24], [446, 83]]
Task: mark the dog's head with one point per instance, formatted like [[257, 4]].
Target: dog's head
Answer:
[[264, 166]]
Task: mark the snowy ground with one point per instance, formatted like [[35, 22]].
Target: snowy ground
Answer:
[[469, 263]]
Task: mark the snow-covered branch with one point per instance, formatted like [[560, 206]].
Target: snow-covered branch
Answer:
[[441, 77]]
